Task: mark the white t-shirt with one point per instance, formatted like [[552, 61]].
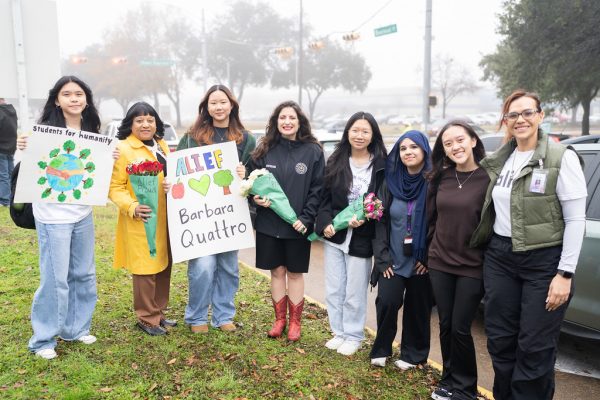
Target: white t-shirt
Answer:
[[361, 178], [570, 185]]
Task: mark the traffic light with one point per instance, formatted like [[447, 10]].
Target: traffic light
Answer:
[[316, 45], [79, 60], [432, 101], [119, 60], [284, 52], [349, 37]]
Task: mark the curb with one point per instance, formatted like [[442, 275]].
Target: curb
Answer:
[[482, 391]]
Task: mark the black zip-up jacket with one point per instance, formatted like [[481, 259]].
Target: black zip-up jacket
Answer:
[[298, 167], [334, 200], [8, 129]]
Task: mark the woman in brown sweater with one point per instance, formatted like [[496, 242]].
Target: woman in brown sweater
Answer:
[[454, 203]]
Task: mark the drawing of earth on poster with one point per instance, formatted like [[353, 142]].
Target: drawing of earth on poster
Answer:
[[59, 164], [206, 213], [66, 172]]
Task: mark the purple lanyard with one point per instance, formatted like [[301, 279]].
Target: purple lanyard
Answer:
[[411, 203]]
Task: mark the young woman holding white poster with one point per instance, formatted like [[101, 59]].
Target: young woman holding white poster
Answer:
[[213, 280]]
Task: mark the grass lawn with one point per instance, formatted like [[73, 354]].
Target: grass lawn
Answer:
[[127, 364]]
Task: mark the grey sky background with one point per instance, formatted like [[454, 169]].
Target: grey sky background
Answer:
[[464, 29]]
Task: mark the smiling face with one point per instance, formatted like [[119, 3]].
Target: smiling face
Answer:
[[360, 135], [71, 99], [219, 108], [458, 146], [412, 156], [524, 130], [143, 127], [287, 123]]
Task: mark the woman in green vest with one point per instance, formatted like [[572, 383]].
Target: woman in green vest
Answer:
[[534, 219]]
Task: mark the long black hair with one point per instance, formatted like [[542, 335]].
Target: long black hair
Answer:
[[439, 160], [140, 108], [273, 136], [53, 115], [338, 174]]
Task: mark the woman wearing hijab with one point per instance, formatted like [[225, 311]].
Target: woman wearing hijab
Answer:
[[400, 255]]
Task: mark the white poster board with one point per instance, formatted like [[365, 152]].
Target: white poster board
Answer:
[[206, 213], [63, 165]]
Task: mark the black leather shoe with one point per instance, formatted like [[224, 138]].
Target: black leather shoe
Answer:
[[151, 330], [168, 323]]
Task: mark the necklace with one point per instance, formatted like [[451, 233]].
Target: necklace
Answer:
[[221, 135], [527, 158], [460, 184]]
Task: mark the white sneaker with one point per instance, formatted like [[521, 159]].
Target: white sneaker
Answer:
[[334, 343], [349, 347], [46, 354], [87, 339], [378, 362], [403, 365]]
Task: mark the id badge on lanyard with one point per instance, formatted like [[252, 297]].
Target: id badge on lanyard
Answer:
[[539, 177], [407, 245]]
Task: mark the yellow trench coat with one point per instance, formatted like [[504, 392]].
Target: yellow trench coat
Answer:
[[131, 247]]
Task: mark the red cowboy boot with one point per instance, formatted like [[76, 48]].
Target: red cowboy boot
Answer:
[[295, 317], [280, 308]]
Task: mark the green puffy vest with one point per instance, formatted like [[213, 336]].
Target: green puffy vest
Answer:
[[536, 219]]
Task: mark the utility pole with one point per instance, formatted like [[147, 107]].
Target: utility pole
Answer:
[[21, 69], [427, 67], [299, 59], [204, 54]]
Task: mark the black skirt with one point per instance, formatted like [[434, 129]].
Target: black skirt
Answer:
[[272, 252]]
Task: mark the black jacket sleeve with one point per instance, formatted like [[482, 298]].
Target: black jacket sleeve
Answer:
[[325, 213], [381, 242], [313, 198]]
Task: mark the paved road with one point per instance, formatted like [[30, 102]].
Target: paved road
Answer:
[[568, 386]]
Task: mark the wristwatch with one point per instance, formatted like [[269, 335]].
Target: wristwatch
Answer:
[[565, 274]]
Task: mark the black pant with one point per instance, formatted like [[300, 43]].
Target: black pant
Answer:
[[415, 294], [522, 335], [457, 298]]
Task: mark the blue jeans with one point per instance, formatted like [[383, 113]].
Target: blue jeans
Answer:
[[6, 168], [346, 285], [64, 302], [213, 280]]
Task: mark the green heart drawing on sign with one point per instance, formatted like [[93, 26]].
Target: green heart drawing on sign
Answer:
[[200, 185]]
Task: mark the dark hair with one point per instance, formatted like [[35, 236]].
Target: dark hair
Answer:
[[439, 160], [202, 130], [338, 174], [273, 136], [53, 115], [140, 108]]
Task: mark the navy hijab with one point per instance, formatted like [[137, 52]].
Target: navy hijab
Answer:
[[407, 187]]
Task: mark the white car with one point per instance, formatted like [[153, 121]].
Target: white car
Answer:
[[170, 137]]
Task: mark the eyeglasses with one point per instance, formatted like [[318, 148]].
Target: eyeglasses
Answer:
[[527, 114]]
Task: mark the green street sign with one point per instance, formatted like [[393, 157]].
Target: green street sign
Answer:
[[157, 63], [385, 30]]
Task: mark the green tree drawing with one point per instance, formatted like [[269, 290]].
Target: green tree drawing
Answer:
[[223, 179]]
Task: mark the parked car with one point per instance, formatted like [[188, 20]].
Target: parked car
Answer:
[[170, 137], [583, 315], [491, 142], [582, 139], [436, 125]]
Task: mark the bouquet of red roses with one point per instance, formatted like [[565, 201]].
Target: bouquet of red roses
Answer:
[[143, 176], [365, 207]]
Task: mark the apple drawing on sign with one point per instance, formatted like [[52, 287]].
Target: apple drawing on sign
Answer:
[[200, 185], [178, 190]]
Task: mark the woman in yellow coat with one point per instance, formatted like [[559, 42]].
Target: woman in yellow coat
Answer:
[[140, 137]]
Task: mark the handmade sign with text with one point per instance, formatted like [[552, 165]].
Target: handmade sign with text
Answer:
[[206, 213], [60, 165]]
